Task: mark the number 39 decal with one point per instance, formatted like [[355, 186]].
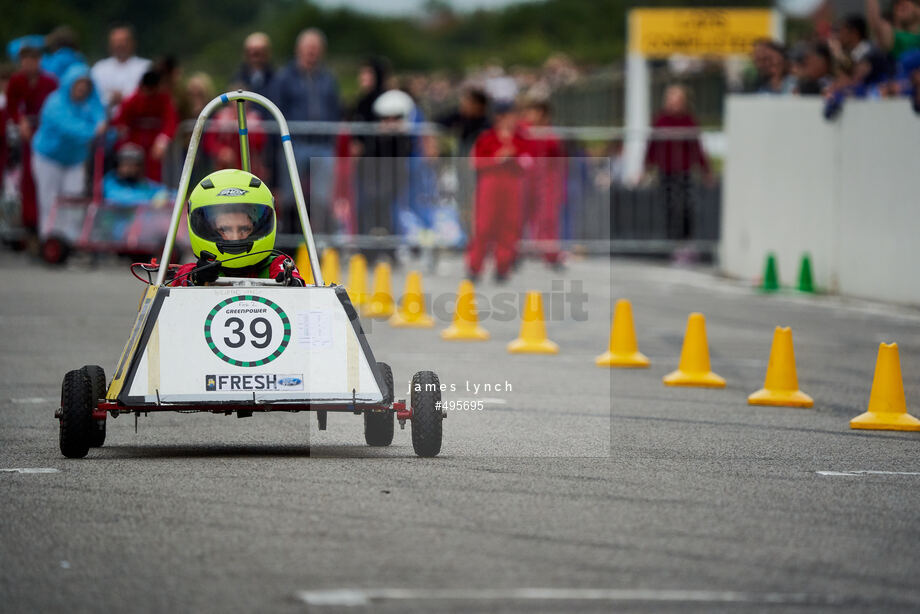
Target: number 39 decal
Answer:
[[247, 331]]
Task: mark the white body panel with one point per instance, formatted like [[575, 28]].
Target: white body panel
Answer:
[[253, 345]]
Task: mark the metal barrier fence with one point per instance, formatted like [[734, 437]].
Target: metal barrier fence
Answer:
[[375, 186]]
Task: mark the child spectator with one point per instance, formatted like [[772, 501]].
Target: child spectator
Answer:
[[861, 62], [70, 119], [777, 78], [816, 74], [501, 157], [126, 183], [25, 94], [148, 118], [546, 187]]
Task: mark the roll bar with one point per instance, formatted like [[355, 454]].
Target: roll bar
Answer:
[[240, 97]]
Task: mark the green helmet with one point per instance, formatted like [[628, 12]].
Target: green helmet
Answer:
[[232, 213]]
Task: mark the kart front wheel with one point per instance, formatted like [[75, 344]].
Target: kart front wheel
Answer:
[[427, 416], [76, 414], [379, 424], [96, 375]]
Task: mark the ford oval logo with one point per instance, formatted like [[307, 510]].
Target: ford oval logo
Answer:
[[290, 381]]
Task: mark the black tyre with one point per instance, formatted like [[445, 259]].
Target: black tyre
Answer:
[[427, 419], [76, 414], [96, 375], [54, 250], [380, 424]]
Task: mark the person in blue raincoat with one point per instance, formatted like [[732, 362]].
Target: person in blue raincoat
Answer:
[[71, 118], [61, 52]]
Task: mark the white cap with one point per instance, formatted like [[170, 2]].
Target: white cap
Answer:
[[394, 103]]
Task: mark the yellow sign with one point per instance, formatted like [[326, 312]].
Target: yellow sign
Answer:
[[697, 32]]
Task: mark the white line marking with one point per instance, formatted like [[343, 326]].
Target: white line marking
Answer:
[[364, 597], [31, 470], [31, 401], [866, 472]]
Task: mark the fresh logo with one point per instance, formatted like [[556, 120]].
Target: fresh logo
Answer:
[[259, 382], [232, 192]]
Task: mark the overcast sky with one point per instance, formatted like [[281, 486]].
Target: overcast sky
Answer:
[[403, 7]]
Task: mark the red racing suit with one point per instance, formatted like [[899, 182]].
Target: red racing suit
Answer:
[[546, 191], [499, 194], [268, 269]]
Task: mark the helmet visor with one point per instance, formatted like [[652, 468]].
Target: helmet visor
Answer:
[[236, 222]]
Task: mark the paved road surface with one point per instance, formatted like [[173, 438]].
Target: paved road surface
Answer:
[[629, 495]]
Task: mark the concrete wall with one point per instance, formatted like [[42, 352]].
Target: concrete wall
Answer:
[[847, 192]]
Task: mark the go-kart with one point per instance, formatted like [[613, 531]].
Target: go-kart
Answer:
[[243, 345]]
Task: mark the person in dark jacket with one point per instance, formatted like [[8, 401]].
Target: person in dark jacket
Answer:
[[675, 158]]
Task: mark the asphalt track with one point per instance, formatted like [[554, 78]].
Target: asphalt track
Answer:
[[580, 489]]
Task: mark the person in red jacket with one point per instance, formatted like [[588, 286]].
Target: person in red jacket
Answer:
[[501, 158], [676, 158], [546, 187], [148, 118], [25, 94]]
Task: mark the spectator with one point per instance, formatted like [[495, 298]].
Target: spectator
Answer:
[[199, 91], [816, 75], [305, 90], [70, 119], [36, 41], [148, 118], [675, 158], [25, 94], [372, 78], [256, 72], [501, 158], [758, 74], [61, 52], [5, 72], [861, 62], [117, 76], [126, 183], [224, 147], [777, 78], [900, 35], [469, 120], [546, 189], [170, 72]]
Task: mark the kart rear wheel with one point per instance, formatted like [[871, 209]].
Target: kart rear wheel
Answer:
[[54, 250], [427, 427], [380, 424], [76, 414], [96, 375]]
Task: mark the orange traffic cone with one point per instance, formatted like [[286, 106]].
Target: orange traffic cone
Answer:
[[887, 405], [411, 313], [781, 386], [623, 350], [466, 321], [694, 368], [357, 280], [532, 339], [330, 266], [302, 262], [380, 303]]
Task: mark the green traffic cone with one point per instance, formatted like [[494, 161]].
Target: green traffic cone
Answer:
[[806, 281], [770, 275]]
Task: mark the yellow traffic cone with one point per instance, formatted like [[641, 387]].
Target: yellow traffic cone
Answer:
[[887, 405], [694, 369], [411, 313], [302, 262], [781, 386], [357, 280], [532, 339], [623, 350], [380, 303], [330, 266], [466, 321]]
